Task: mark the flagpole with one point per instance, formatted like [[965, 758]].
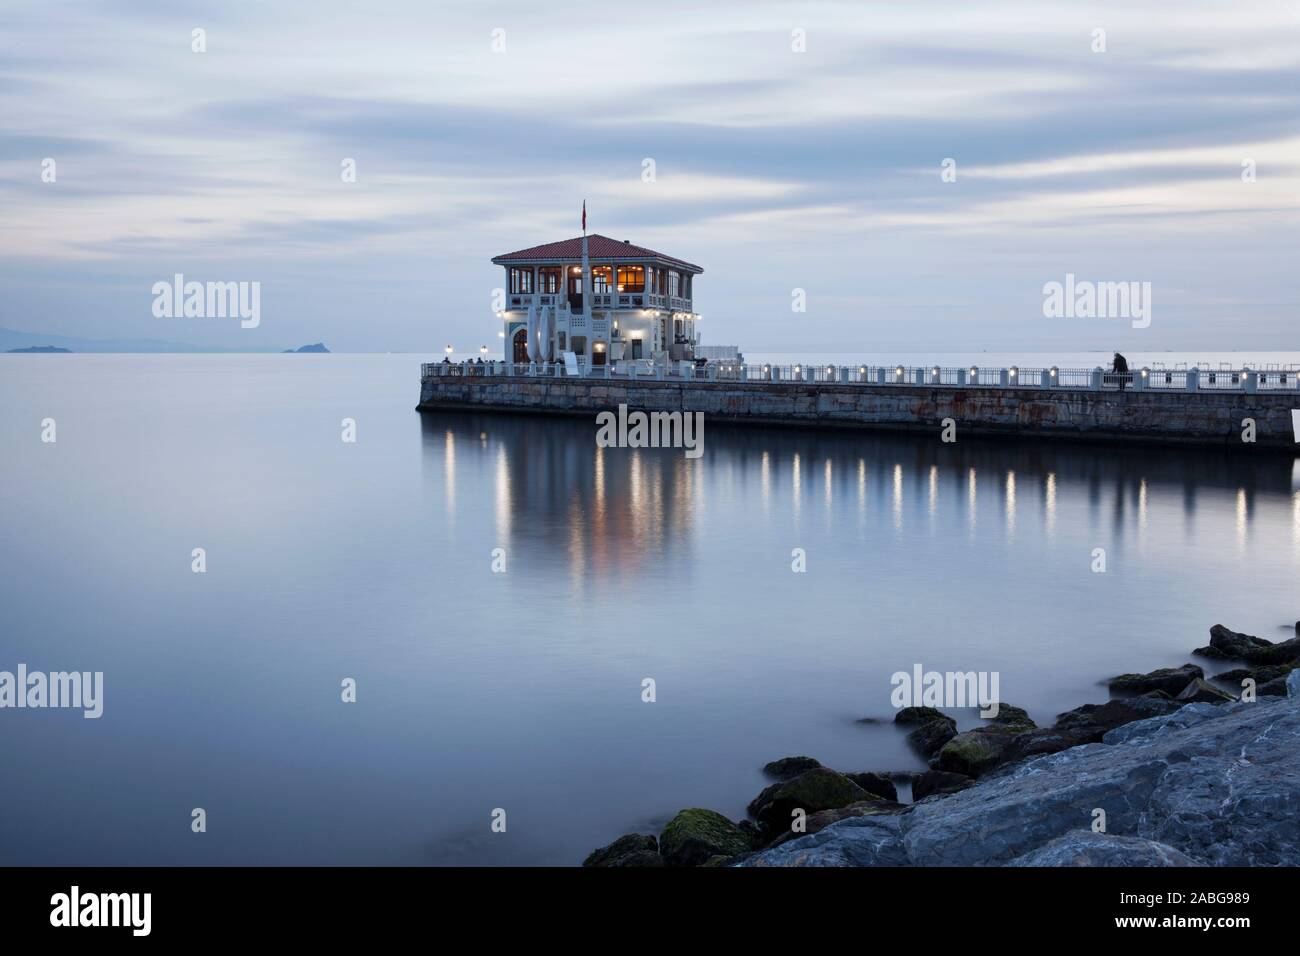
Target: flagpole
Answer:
[[588, 299]]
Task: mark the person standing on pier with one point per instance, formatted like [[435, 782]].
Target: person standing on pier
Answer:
[[1120, 367]]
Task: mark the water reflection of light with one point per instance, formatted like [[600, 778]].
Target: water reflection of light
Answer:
[[504, 508], [598, 469], [795, 482], [635, 491], [577, 548], [898, 496], [1142, 506], [829, 495], [971, 492], [1011, 503], [449, 470], [934, 491], [862, 488], [765, 480], [1241, 519], [1049, 499]]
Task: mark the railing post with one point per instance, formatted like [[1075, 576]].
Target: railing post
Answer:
[[961, 376], [1193, 378], [1004, 377], [1142, 380], [1096, 379], [880, 376], [1252, 381], [1053, 377]]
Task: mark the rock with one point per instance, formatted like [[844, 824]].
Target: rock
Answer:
[[938, 781], [634, 849], [928, 738], [974, 752], [816, 822], [1277, 687], [788, 767], [811, 791], [1260, 675], [1231, 645], [1205, 692], [1217, 783], [1098, 718], [1085, 848], [1171, 680], [931, 728], [877, 784], [1012, 718], [1293, 684], [921, 715], [859, 841], [695, 835], [1049, 740]]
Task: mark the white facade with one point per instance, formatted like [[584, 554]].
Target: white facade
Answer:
[[640, 305]]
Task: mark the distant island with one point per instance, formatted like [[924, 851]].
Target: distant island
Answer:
[[35, 343]]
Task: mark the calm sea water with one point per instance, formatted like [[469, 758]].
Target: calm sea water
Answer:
[[522, 690]]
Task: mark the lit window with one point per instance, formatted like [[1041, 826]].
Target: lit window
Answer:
[[631, 278]]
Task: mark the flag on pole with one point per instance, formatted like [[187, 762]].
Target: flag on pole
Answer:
[[584, 215]]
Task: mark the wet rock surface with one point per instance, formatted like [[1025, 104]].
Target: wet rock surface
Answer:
[[1209, 784]]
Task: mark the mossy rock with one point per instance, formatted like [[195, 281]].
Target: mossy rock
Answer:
[[973, 752], [788, 767], [1261, 675], [634, 849], [929, 737], [695, 835], [811, 791], [1011, 718], [920, 715], [1171, 680]]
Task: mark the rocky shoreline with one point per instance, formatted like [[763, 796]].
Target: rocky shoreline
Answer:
[[1174, 770]]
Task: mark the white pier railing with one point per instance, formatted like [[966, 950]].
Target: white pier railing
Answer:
[[1094, 379]]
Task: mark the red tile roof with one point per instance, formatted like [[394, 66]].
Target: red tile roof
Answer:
[[599, 248]]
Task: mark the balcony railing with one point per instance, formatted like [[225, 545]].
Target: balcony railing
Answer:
[[1094, 379]]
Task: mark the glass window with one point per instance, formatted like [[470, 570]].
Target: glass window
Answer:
[[521, 281], [600, 278], [548, 280], [674, 284], [631, 278]]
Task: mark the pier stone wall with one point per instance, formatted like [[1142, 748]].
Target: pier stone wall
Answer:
[[1203, 417]]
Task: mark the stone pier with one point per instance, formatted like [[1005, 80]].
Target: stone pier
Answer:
[[1205, 417]]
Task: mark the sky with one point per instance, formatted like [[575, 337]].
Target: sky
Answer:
[[795, 146]]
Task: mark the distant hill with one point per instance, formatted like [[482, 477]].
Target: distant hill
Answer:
[[12, 340], [315, 347], [44, 349]]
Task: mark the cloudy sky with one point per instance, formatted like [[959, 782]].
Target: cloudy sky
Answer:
[[775, 169]]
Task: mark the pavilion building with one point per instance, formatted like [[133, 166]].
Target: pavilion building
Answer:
[[618, 302]]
